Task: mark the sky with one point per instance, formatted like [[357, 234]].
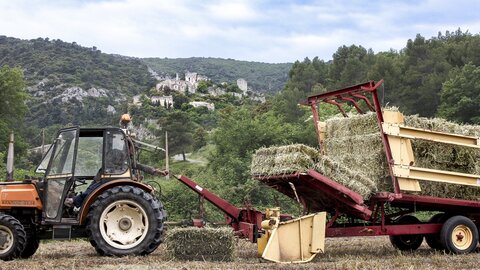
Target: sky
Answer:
[[262, 31]]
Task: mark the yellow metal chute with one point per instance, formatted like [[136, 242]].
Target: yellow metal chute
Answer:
[[294, 241]]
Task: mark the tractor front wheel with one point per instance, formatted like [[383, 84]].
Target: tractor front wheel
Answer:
[[31, 247], [125, 220], [12, 238]]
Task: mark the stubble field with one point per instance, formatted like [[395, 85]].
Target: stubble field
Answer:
[[341, 253]]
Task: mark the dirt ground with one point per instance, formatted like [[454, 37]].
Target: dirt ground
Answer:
[[341, 253]]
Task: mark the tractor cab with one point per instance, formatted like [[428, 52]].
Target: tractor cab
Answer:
[[96, 169], [77, 158]]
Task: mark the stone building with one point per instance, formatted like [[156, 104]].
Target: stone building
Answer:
[[190, 83], [209, 106]]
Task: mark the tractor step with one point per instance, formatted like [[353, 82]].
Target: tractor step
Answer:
[[62, 232]]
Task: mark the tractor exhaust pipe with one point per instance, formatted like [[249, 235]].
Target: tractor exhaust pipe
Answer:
[[10, 159]]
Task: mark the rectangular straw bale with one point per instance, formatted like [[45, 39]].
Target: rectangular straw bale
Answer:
[[354, 124], [341, 174], [278, 160], [446, 190], [442, 125], [201, 244], [263, 161], [362, 153], [291, 163]]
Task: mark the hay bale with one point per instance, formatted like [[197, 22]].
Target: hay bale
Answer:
[[263, 161], [341, 174], [362, 152], [201, 244], [354, 124], [278, 160]]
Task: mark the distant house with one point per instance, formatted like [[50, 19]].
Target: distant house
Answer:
[[209, 106]]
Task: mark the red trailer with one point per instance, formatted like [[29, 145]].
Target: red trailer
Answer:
[[453, 226]]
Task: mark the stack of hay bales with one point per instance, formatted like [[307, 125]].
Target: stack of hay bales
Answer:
[[281, 160], [354, 156], [446, 157], [201, 244], [355, 142]]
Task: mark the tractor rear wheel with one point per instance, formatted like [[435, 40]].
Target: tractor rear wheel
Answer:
[[125, 220], [459, 235], [406, 242], [12, 238]]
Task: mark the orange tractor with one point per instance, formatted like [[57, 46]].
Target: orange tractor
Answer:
[[91, 188]]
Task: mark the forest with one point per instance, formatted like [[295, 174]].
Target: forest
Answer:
[[433, 77]]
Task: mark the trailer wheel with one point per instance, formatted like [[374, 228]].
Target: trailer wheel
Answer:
[[433, 240], [408, 242], [459, 235], [125, 220], [12, 238]]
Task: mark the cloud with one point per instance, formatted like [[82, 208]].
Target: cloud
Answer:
[[265, 30]]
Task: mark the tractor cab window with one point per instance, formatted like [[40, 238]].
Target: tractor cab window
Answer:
[[89, 155], [116, 153], [62, 162], [60, 171], [42, 167]]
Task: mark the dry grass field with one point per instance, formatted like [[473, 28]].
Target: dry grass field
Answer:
[[341, 253]]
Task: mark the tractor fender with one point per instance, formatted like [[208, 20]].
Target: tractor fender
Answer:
[[110, 184]]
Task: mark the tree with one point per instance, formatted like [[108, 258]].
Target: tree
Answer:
[[460, 96], [12, 95], [12, 108], [178, 100], [199, 138], [179, 127], [203, 87]]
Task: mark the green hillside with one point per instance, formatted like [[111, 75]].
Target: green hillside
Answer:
[[71, 84], [261, 77], [71, 64]]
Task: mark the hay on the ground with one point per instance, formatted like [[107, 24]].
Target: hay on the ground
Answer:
[[201, 244]]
